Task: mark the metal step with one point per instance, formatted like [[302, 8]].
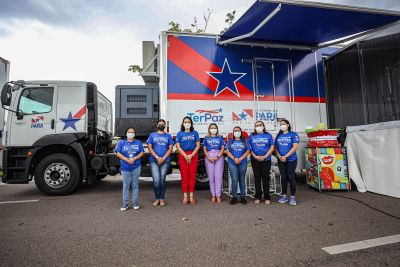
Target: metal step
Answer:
[[17, 181], [16, 168], [17, 156]]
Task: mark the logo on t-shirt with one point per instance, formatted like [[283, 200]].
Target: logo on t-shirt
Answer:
[[237, 146], [283, 140], [161, 140], [188, 138]]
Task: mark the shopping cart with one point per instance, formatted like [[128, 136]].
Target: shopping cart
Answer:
[[274, 185]]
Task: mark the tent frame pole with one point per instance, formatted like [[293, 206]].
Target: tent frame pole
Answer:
[[333, 6], [256, 29]]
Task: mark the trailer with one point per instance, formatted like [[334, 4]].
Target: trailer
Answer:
[[194, 71], [267, 66]]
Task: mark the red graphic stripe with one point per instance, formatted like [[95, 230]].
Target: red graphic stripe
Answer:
[[300, 99], [207, 111], [80, 113], [180, 53]]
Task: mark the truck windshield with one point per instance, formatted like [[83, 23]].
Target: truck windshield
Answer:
[[36, 100]]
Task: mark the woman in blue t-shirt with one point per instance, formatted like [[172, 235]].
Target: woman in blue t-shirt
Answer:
[[286, 143], [188, 144], [237, 152], [213, 147], [261, 145], [160, 146], [129, 151]]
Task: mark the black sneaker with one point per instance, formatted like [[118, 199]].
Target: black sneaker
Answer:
[[233, 201], [243, 200]]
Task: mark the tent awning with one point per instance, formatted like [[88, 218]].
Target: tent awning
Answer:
[[305, 24]]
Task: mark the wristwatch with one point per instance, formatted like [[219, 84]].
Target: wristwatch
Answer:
[[157, 157]]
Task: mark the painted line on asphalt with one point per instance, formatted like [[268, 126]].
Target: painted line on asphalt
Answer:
[[19, 201], [369, 243]]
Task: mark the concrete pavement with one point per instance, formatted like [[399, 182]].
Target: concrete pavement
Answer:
[[87, 228]]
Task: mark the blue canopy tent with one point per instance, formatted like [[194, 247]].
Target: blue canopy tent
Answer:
[[305, 25]]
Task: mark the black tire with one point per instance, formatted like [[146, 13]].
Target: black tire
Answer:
[[101, 177], [57, 174], [202, 180]]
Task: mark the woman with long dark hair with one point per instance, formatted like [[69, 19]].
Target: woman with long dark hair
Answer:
[[286, 143], [237, 152], [129, 151], [160, 146], [213, 147], [261, 145], [188, 144]]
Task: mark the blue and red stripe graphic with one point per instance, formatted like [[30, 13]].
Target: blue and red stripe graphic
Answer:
[[200, 69]]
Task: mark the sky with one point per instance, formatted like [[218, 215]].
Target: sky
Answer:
[[96, 40]]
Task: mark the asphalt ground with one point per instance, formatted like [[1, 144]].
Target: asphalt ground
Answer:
[[87, 228]]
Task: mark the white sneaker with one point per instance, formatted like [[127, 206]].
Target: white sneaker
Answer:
[[123, 209], [136, 207]]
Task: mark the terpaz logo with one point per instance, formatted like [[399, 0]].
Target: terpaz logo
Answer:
[[206, 115]]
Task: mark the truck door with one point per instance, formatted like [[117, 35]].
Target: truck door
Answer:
[[272, 84], [36, 106]]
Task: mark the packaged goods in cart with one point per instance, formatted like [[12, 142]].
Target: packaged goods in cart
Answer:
[[323, 138]]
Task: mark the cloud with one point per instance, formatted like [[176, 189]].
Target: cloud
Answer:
[[43, 52], [61, 12]]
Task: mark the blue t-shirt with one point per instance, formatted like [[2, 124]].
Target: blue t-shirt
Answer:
[[237, 149], [213, 142], [129, 150], [160, 144], [260, 144], [285, 142], [187, 140]]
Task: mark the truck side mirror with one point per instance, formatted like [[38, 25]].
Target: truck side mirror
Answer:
[[20, 115], [6, 94]]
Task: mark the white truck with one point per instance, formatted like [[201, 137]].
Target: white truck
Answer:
[[58, 132]]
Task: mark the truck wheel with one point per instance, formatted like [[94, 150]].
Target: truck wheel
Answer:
[[202, 181], [57, 174], [101, 177]]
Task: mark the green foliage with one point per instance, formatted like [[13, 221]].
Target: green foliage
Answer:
[[135, 68], [194, 28], [229, 18]]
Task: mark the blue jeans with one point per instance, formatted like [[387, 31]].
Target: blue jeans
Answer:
[[159, 172], [128, 178], [238, 174]]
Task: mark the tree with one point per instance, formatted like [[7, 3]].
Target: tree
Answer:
[[230, 17], [135, 68], [194, 28]]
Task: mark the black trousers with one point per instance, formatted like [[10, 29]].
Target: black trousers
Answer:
[[261, 171], [288, 173]]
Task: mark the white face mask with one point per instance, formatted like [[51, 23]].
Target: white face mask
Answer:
[[187, 125], [237, 134], [213, 131], [259, 129], [130, 135], [284, 127]]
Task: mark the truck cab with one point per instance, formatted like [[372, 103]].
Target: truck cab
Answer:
[[58, 132]]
